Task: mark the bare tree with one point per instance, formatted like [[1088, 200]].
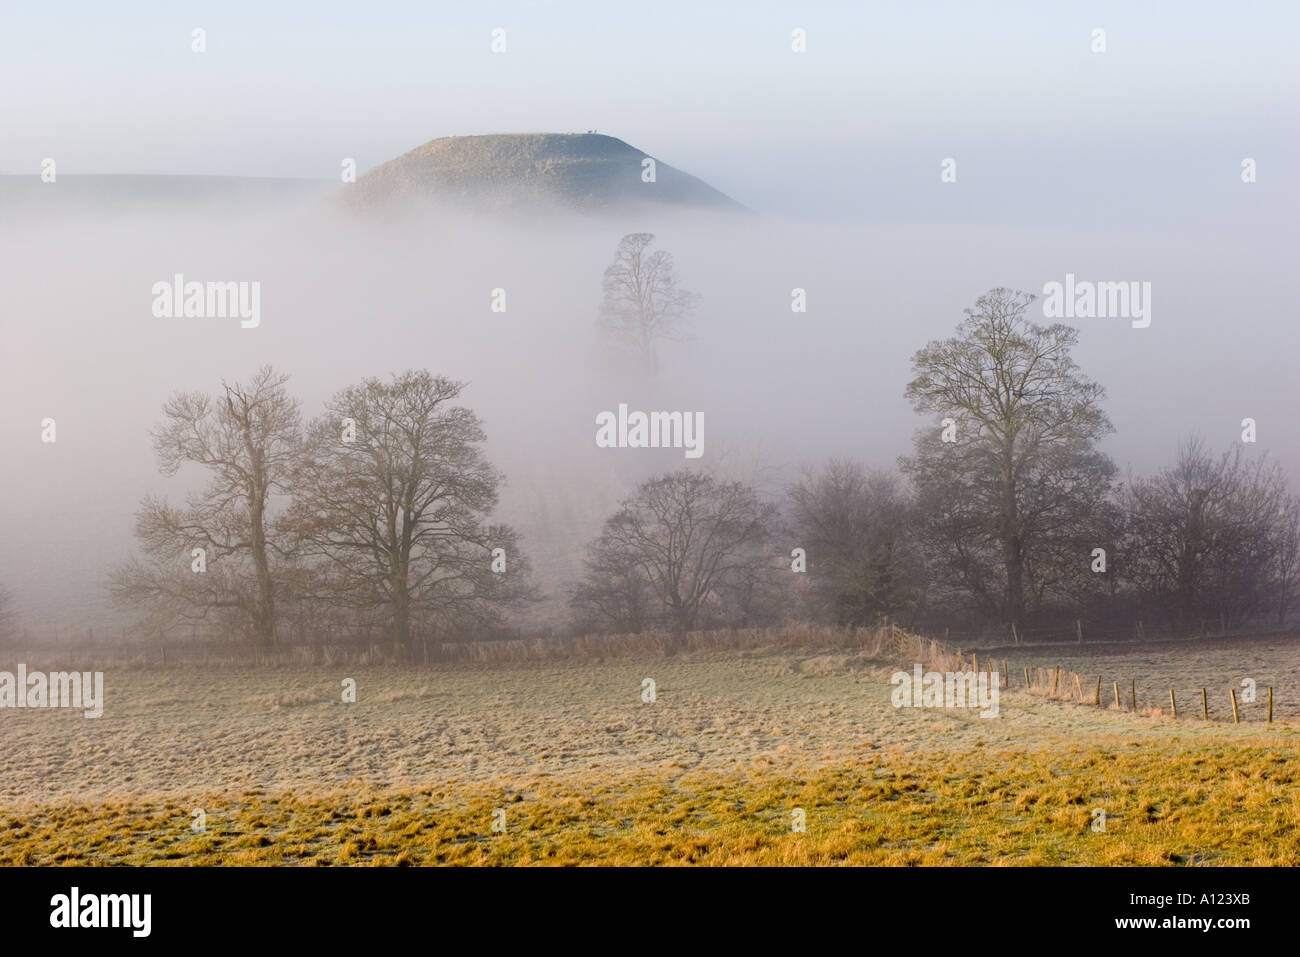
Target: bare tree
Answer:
[[643, 303], [1012, 497], [685, 538], [393, 499], [246, 438], [855, 526], [1288, 557], [1211, 537], [614, 594], [7, 613]]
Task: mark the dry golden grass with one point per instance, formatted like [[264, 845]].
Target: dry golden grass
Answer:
[[1225, 804], [588, 773]]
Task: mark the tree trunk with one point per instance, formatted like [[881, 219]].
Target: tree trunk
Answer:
[[265, 591], [399, 557], [1188, 571], [1012, 551], [681, 625], [401, 617]]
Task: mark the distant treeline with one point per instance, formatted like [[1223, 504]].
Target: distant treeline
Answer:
[[1006, 518], [372, 522]]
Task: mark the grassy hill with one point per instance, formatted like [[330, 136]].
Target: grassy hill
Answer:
[[586, 171]]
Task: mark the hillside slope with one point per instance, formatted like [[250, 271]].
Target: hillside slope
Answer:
[[586, 171]]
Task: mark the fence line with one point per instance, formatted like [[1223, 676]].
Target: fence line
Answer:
[[873, 641], [882, 642], [1042, 682], [1054, 683]]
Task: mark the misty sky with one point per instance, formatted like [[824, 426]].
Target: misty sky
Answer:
[[1043, 128], [1123, 165]]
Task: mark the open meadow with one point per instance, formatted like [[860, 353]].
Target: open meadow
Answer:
[[566, 763]]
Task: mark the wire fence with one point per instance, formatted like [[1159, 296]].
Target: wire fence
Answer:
[[1081, 632]]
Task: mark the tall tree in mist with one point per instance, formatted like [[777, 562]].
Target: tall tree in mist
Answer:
[[614, 594], [246, 439], [1287, 569], [1213, 538], [675, 550], [855, 525], [1010, 504], [6, 612], [643, 303], [393, 496]]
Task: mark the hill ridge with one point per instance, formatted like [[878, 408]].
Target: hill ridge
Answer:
[[587, 171]]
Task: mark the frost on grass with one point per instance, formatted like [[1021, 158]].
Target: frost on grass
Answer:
[[411, 773]]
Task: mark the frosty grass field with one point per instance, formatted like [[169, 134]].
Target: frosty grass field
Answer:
[[564, 763]]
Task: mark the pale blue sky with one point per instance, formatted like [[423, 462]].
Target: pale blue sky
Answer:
[[884, 92]]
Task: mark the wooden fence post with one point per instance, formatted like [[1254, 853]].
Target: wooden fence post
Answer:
[[1096, 699], [1115, 686], [1056, 680], [1233, 693], [1205, 705], [1078, 686], [1270, 704], [1027, 678], [1173, 705], [1133, 695]]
